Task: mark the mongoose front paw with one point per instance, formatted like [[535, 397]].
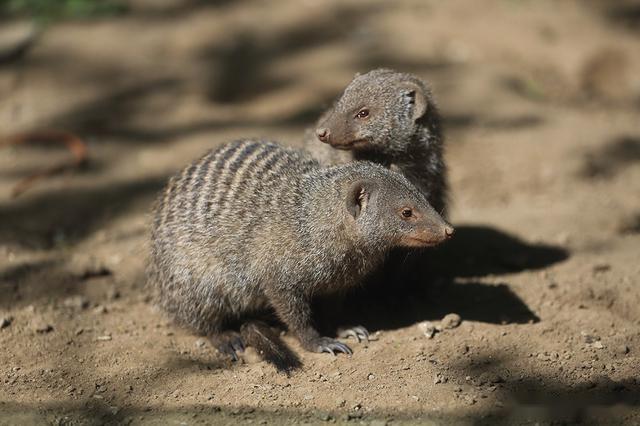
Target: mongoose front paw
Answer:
[[329, 345], [358, 332], [228, 343]]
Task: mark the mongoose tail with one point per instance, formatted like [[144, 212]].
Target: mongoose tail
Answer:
[[270, 346]]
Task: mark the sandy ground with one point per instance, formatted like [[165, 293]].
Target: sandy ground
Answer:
[[541, 102]]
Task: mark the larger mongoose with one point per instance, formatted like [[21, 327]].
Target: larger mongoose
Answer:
[[252, 226], [389, 118]]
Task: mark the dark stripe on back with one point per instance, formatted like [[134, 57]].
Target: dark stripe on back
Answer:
[[227, 153], [232, 170]]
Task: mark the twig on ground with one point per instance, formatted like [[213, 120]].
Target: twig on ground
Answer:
[[74, 144]]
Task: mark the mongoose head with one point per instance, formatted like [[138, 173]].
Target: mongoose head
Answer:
[[378, 111], [388, 209]]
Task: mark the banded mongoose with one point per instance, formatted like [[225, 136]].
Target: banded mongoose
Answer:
[[252, 227], [388, 118]]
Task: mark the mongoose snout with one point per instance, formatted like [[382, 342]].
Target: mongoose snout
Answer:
[[323, 134], [428, 236]]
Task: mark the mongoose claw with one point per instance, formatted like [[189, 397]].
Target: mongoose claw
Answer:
[[331, 346], [229, 344], [358, 332]]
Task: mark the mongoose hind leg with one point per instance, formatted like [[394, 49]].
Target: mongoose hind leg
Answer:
[[228, 343]]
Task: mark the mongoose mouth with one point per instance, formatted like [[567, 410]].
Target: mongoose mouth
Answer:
[[418, 242], [354, 144]]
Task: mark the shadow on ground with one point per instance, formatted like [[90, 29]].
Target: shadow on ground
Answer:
[[529, 400], [448, 279], [65, 216], [613, 158]]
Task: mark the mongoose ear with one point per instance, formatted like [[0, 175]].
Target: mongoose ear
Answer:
[[415, 96], [357, 198]]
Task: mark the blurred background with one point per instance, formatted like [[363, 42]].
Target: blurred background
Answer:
[[541, 109]]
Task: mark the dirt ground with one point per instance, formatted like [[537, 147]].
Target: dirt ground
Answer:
[[541, 102]]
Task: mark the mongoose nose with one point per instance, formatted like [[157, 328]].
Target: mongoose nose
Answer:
[[323, 134], [449, 231]]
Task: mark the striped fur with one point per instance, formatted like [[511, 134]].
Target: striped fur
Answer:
[[252, 226]]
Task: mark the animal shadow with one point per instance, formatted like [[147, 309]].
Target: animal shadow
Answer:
[[429, 284]]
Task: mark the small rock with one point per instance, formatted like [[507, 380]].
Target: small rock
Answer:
[[588, 338], [104, 338], [601, 267], [79, 331], [607, 75], [200, 343], [42, 327], [598, 345], [16, 38], [470, 399], [428, 329], [100, 309], [371, 376], [5, 322], [341, 402], [323, 416], [113, 294], [489, 378], [76, 302], [623, 349], [354, 416], [451, 321]]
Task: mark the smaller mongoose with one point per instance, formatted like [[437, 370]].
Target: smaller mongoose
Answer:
[[388, 118], [253, 227]]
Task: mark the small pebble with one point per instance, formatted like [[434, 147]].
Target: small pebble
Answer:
[[601, 267], [104, 338], [42, 327], [5, 322], [323, 416], [451, 321], [76, 302], [113, 294], [100, 309], [428, 329], [588, 338]]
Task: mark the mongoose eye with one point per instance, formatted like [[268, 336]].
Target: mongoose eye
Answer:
[[363, 113], [407, 213]]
